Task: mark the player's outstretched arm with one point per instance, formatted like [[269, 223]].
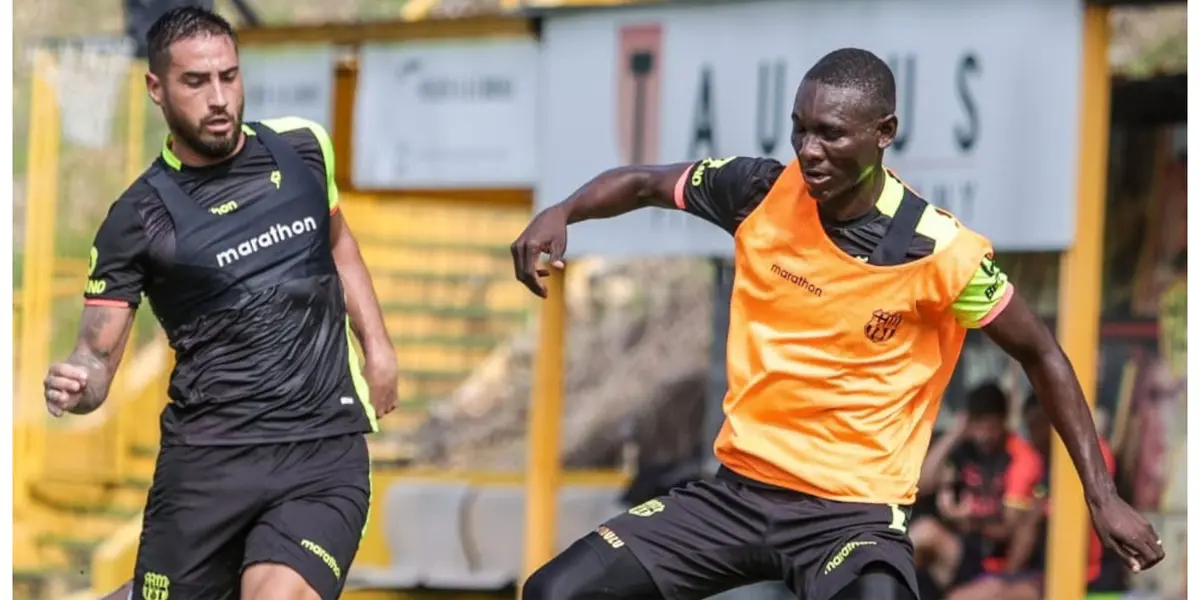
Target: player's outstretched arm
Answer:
[[366, 317], [80, 383], [1024, 336], [609, 194]]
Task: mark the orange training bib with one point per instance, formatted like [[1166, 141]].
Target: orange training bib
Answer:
[[836, 367]]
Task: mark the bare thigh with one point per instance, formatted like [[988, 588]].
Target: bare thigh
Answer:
[[269, 581]]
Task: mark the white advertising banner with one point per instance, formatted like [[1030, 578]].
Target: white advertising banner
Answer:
[[988, 120], [289, 81], [446, 114]]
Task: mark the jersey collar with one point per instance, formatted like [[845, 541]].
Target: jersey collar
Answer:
[[169, 157]]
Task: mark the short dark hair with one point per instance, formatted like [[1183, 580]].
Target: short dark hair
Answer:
[[861, 70], [180, 24], [987, 400]]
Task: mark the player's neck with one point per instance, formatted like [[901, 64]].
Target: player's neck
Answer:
[[856, 201], [194, 159]]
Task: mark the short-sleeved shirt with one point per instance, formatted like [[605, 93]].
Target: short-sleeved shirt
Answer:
[[271, 360], [138, 225], [836, 365], [725, 191]]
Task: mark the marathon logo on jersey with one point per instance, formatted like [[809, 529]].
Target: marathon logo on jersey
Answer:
[[276, 234]]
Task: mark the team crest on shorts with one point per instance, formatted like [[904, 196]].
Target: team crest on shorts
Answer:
[[882, 326], [647, 509]]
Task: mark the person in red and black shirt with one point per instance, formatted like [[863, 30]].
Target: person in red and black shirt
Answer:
[[1021, 578], [977, 470]]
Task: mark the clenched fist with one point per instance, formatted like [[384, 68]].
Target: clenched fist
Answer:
[[65, 384]]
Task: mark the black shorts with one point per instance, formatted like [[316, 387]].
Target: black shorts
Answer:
[[215, 510], [708, 537]]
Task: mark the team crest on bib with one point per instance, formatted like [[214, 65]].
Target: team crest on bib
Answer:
[[882, 326]]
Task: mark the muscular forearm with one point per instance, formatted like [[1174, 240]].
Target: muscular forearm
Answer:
[[621, 190], [99, 346], [1055, 384], [362, 306]]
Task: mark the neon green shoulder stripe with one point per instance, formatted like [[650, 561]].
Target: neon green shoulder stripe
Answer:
[[934, 224], [286, 124]]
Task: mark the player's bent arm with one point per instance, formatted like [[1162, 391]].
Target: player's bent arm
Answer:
[[1023, 335], [103, 332], [622, 190], [362, 305], [611, 193]]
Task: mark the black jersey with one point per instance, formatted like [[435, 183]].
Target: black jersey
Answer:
[[237, 263]]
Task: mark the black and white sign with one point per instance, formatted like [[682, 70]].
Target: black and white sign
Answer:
[[289, 81], [446, 114], [988, 119]]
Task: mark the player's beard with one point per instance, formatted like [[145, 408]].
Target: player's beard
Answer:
[[197, 138]]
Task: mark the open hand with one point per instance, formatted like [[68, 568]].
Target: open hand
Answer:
[[1126, 532], [64, 386], [546, 234]]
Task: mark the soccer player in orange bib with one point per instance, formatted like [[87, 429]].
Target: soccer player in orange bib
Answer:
[[851, 300]]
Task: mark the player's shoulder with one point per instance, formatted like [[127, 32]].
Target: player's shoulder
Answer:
[[136, 196], [304, 134], [293, 124], [754, 172], [944, 228], [747, 165], [937, 224]]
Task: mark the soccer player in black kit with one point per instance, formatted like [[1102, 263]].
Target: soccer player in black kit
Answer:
[[262, 484]]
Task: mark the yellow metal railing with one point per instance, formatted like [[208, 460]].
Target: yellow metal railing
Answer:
[[36, 292], [443, 273], [50, 283]]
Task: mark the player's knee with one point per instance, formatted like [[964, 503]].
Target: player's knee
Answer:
[[877, 581], [266, 581]]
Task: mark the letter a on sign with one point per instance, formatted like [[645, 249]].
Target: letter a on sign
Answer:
[[639, 52]]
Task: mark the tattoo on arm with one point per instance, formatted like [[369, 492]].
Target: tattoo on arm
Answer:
[[103, 333]]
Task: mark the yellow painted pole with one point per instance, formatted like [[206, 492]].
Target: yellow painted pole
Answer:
[[37, 279], [135, 133], [135, 149], [1079, 306], [543, 468], [417, 10]]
